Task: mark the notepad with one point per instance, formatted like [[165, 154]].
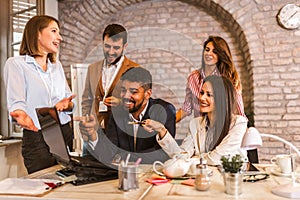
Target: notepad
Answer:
[[27, 187]]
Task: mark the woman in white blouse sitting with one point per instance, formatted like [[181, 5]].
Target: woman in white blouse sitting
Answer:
[[217, 132]]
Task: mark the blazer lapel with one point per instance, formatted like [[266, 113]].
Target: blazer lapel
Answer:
[[127, 132], [100, 89], [125, 66]]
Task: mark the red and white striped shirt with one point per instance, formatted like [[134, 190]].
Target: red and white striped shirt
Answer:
[[193, 89]]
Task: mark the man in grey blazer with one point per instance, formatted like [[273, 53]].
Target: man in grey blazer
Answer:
[[102, 87]]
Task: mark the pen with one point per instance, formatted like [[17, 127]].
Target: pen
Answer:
[[138, 161], [87, 118], [127, 159], [52, 185], [141, 123]]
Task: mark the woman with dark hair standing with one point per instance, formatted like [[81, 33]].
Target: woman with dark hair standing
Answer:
[[36, 79], [216, 60], [217, 132]]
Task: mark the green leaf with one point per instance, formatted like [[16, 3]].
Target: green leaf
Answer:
[[232, 164]]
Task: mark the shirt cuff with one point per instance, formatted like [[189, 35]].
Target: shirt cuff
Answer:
[[166, 140], [93, 143]]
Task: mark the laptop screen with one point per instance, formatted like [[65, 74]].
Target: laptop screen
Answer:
[[52, 133]]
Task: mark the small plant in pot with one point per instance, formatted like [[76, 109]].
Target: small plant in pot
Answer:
[[232, 164], [233, 178]]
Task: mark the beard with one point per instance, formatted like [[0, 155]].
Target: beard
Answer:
[[136, 107], [117, 57]]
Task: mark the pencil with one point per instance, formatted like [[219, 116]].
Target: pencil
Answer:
[[141, 123]]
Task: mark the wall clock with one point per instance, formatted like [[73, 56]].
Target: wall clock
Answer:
[[289, 16]]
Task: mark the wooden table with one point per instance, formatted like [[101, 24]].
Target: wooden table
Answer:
[[109, 189], [260, 190]]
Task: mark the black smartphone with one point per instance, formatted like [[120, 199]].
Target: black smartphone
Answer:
[[251, 167]]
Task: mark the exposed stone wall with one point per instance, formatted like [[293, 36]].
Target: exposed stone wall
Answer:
[[166, 37]]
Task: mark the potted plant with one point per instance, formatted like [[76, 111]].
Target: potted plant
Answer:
[[232, 164], [231, 169]]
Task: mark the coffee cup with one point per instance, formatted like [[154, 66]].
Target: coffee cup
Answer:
[[284, 162]]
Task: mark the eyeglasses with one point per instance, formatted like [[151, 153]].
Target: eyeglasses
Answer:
[[255, 177]]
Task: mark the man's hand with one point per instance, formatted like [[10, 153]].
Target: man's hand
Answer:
[[65, 103], [112, 101], [24, 120], [87, 128]]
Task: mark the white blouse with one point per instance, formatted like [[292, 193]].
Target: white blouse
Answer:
[[194, 142]]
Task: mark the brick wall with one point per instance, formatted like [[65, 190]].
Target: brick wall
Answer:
[[166, 37]]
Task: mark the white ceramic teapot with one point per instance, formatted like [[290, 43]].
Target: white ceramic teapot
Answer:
[[176, 167]]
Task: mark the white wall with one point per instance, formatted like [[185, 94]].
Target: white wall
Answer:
[[51, 8], [11, 164]]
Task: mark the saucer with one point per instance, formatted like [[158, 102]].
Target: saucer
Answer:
[[276, 171]]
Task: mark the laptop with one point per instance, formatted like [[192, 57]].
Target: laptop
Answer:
[[86, 169]]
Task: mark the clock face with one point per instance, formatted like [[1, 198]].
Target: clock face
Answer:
[[289, 16]]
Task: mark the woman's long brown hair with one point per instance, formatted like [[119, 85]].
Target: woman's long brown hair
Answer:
[[225, 105], [29, 44], [225, 63]]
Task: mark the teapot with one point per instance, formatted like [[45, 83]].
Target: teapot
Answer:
[[175, 167]]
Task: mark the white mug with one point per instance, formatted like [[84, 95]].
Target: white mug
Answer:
[[173, 168], [283, 161]]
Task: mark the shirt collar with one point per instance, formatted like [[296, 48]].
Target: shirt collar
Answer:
[[214, 72], [142, 114], [30, 60], [116, 64]]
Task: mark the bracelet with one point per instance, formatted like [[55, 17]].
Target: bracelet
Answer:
[[163, 130]]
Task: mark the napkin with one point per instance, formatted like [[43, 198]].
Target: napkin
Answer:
[[190, 182], [157, 180]]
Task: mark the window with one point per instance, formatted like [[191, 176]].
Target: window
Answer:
[[22, 11]]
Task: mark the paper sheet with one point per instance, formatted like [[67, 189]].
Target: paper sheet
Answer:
[[22, 186]]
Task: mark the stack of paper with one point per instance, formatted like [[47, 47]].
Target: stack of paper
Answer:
[[31, 187]]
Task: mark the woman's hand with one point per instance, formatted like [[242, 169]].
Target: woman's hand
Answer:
[[151, 125], [87, 128], [65, 103], [24, 120]]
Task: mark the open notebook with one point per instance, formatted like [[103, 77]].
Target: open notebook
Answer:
[[85, 168]]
